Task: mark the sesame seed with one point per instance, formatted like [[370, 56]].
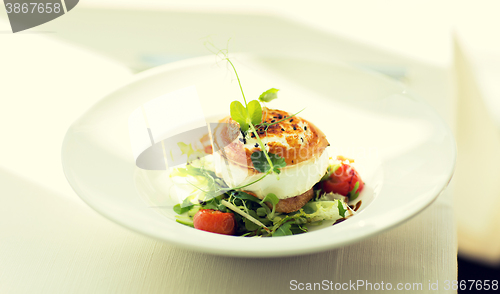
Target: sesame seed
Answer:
[[291, 120], [305, 128], [294, 128], [256, 145], [282, 129], [273, 121]]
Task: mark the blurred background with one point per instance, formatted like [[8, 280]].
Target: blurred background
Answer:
[[447, 52]]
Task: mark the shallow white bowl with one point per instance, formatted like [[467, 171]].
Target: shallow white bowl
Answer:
[[403, 150]]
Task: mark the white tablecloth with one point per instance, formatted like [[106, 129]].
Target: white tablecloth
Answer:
[[50, 242]]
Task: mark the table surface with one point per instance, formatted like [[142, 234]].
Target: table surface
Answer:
[[51, 242]]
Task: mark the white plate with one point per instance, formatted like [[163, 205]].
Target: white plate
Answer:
[[403, 150]]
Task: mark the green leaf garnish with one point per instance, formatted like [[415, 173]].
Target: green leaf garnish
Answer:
[[283, 230], [243, 195], [270, 198], [255, 112], [274, 201], [261, 163], [269, 95], [180, 210], [239, 114], [187, 202], [261, 211], [297, 229], [342, 210], [354, 193], [307, 209], [243, 214], [211, 205], [249, 225]]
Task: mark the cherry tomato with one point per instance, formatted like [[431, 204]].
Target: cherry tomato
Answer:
[[215, 221], [343, 181]]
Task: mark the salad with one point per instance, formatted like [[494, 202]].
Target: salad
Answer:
[[266, 173]]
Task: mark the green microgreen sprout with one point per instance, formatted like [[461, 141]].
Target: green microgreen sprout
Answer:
[[269, 95], [274, 201], [244, 214], [247, 115]]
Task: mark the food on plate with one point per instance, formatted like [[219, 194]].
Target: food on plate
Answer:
[[344, 180], [215, 221], [299, 143], [268, 174]]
